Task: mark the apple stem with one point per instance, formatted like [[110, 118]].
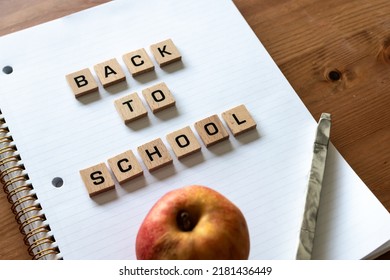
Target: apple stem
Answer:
[[184, 221]]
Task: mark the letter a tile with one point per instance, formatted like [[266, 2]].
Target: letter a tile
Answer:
[[109, 72], [130, 108], [97, 179], [239, 120], [165, 52], [125, 166], [138, 62], [183, 142], [211, 130], [82, 82], [158, 97], [154, 154]]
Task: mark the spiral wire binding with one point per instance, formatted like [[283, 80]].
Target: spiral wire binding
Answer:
[[25, 206]]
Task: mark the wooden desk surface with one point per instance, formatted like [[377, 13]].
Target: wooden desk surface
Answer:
[[336, 55]]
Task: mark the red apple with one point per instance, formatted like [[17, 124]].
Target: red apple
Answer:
[[193, 222]]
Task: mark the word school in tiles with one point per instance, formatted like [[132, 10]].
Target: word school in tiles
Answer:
[[153, 154]]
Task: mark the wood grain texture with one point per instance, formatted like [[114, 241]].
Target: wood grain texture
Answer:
[[155, 154], [125, 166], [82, 82], [239, 120], [138, 62], [165, 52], [158, 97], [211, 130], [308, 39], [109, 72], [183, 142], [97, 179]]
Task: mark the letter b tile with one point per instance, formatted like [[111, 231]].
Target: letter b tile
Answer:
[[165, 52]]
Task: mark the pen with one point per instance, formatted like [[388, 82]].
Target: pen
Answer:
[[308, 227]]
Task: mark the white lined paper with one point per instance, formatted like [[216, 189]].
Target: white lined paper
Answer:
[[223, 65]]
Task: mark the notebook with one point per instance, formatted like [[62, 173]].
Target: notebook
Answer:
[[48, 135]]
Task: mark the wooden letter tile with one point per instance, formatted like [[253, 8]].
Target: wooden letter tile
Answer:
[[154, 154], [183, 142], [158, 97], [138, 62], [239, 120], [211, 130], [165, 52], [97, 179], [130, 108], [109, 72], [82, 82], [125, 166]]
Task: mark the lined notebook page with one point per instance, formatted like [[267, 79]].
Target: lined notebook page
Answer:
[[264, 171]]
